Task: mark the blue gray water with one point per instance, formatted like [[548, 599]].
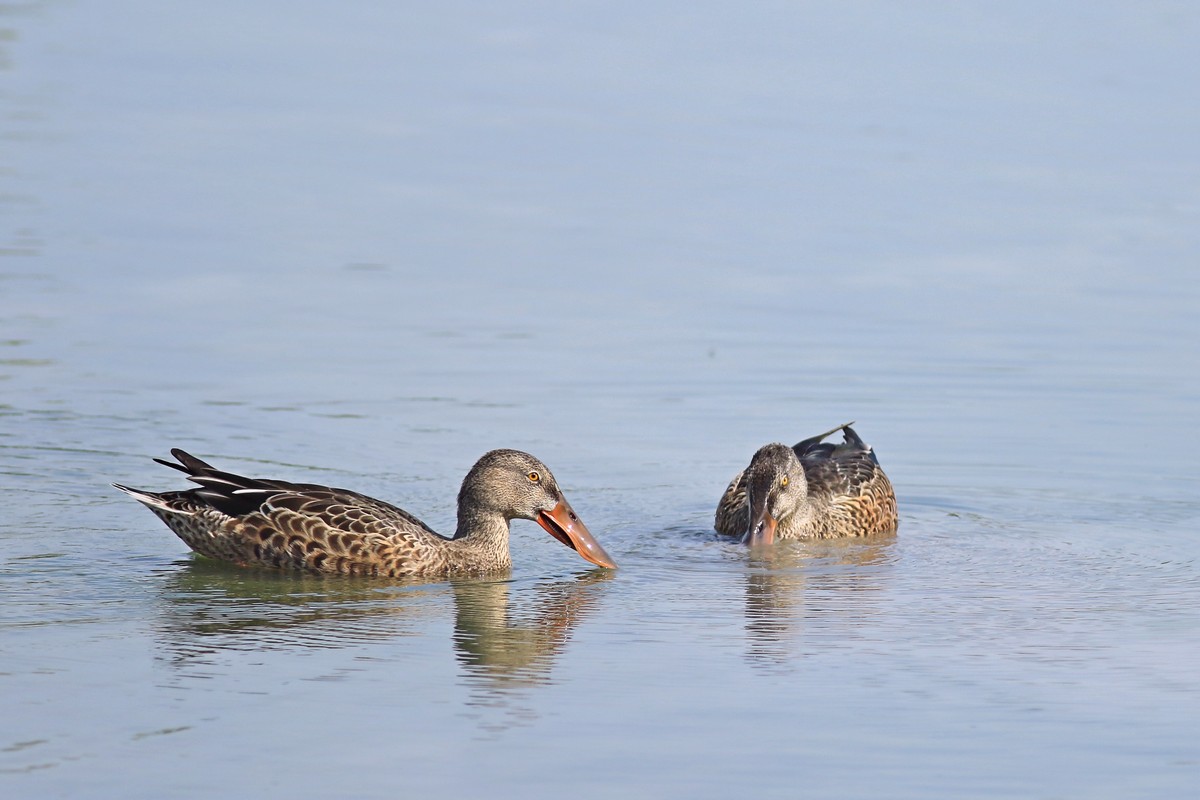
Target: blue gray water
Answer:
[[361, 246]]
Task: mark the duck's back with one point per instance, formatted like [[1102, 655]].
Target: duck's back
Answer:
[[304, 527], [848, 489]]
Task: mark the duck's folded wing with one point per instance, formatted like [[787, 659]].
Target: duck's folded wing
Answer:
[[339, 509], [849, 474]]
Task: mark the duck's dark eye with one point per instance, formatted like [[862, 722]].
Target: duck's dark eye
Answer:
[[534, 477]]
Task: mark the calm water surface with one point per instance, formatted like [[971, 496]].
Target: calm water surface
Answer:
[[362, 246]]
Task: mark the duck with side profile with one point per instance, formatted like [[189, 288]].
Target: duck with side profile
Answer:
[[302, 526], [814, 490]]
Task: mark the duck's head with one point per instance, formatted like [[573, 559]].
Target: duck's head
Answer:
[[518, 486], [775, 487]]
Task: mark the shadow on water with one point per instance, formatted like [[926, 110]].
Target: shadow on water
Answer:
[[794, 590], [506, 635]]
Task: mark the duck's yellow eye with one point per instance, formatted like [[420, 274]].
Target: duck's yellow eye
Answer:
[[534, 477], [784, 482]]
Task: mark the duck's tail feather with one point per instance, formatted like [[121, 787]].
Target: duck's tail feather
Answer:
[[188, 463], [216, 483], [813, 441], [149, 499]]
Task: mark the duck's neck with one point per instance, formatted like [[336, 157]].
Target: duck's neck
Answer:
[[800, 522], [481, 540]]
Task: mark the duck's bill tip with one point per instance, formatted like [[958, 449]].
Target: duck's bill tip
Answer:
[[761, 532], [562, 523]]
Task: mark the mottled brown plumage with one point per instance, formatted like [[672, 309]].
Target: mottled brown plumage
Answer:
[[814, 490], [302, 526]]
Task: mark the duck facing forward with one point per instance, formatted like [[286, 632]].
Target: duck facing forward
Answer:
[[302, 526], [814, 490]]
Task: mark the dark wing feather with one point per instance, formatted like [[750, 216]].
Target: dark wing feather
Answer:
[[848, 468], [237, 495], [813, 444]]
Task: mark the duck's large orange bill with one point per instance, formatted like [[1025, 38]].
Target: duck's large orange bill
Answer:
[[762, 529], [561, 523]]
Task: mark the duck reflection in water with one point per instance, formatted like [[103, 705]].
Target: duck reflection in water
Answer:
[[807, 597], [504, 641], [505, 634], [209, 608]]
